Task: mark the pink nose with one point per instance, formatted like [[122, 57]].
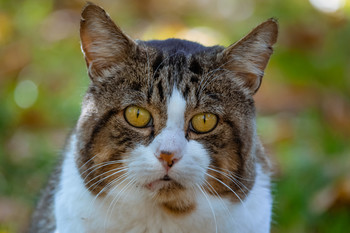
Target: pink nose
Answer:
[[167, 159]]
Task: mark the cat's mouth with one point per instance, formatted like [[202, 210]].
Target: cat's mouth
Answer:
[[166, 178], [165, 182]]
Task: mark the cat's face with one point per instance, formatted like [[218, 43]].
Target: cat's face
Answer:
[[169, 118]]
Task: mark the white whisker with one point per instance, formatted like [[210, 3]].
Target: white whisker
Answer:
[[211, 207], [87, 161], [107, 186], [99, 165], [116, 198], [227, 187], [220, 199], [118, 170], [236, 182], [231, 173]]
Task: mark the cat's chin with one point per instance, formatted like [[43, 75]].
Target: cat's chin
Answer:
[[174, 197], [165, 189]]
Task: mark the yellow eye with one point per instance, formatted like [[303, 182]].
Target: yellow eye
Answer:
[[137, 116], [204, 122]]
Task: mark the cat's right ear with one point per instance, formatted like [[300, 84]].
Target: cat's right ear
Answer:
[[103, 43]]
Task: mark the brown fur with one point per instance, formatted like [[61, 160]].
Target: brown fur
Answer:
[[175, 199], [217, 80], [125, 73]]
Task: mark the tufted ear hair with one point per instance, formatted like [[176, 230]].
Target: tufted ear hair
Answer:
[[248, 57], [103, 43]]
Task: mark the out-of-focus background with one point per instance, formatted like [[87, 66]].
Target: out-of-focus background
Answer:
[[303, 104]]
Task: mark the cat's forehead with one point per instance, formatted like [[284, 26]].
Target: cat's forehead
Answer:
[[159, 67]]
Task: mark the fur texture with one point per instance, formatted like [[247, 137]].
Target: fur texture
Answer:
[[164, 176]]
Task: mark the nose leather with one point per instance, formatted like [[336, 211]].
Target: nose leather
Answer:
[[167, 157], [170, 144]]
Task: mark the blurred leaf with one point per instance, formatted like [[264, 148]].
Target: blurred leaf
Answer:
[[303, 103]]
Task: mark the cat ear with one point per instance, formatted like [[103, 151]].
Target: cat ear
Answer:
[[103, 43], [248, 57]]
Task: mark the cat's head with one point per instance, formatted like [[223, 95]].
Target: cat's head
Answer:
[[170, 118]]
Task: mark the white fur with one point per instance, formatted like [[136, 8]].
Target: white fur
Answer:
[[129, 206], [172, 138], [176, 110], [193, 158]]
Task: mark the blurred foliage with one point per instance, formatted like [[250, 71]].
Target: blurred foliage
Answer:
[[303, 103]]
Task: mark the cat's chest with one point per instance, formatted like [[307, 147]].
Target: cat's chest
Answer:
[[139, 217]]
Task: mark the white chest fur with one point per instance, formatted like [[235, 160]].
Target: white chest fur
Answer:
[[77, 210]]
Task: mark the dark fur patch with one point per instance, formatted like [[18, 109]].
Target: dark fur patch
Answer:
[[214, 96], [101, 123], [157, 65], [160, 90], [178, 209], [194, 79], [195, 67], [187, 90], [136, 86], [149, 93]]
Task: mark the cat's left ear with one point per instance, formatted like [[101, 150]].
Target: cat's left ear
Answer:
[[248, 57], [104, 44]]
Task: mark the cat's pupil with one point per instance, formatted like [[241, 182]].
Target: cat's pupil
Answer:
[[138, 113]]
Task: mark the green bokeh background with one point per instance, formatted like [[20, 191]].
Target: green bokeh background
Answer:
[[303, 104]]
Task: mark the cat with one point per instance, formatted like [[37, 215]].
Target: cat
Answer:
[[166, 140]]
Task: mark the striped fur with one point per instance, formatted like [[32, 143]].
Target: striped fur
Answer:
[[114, 164]]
